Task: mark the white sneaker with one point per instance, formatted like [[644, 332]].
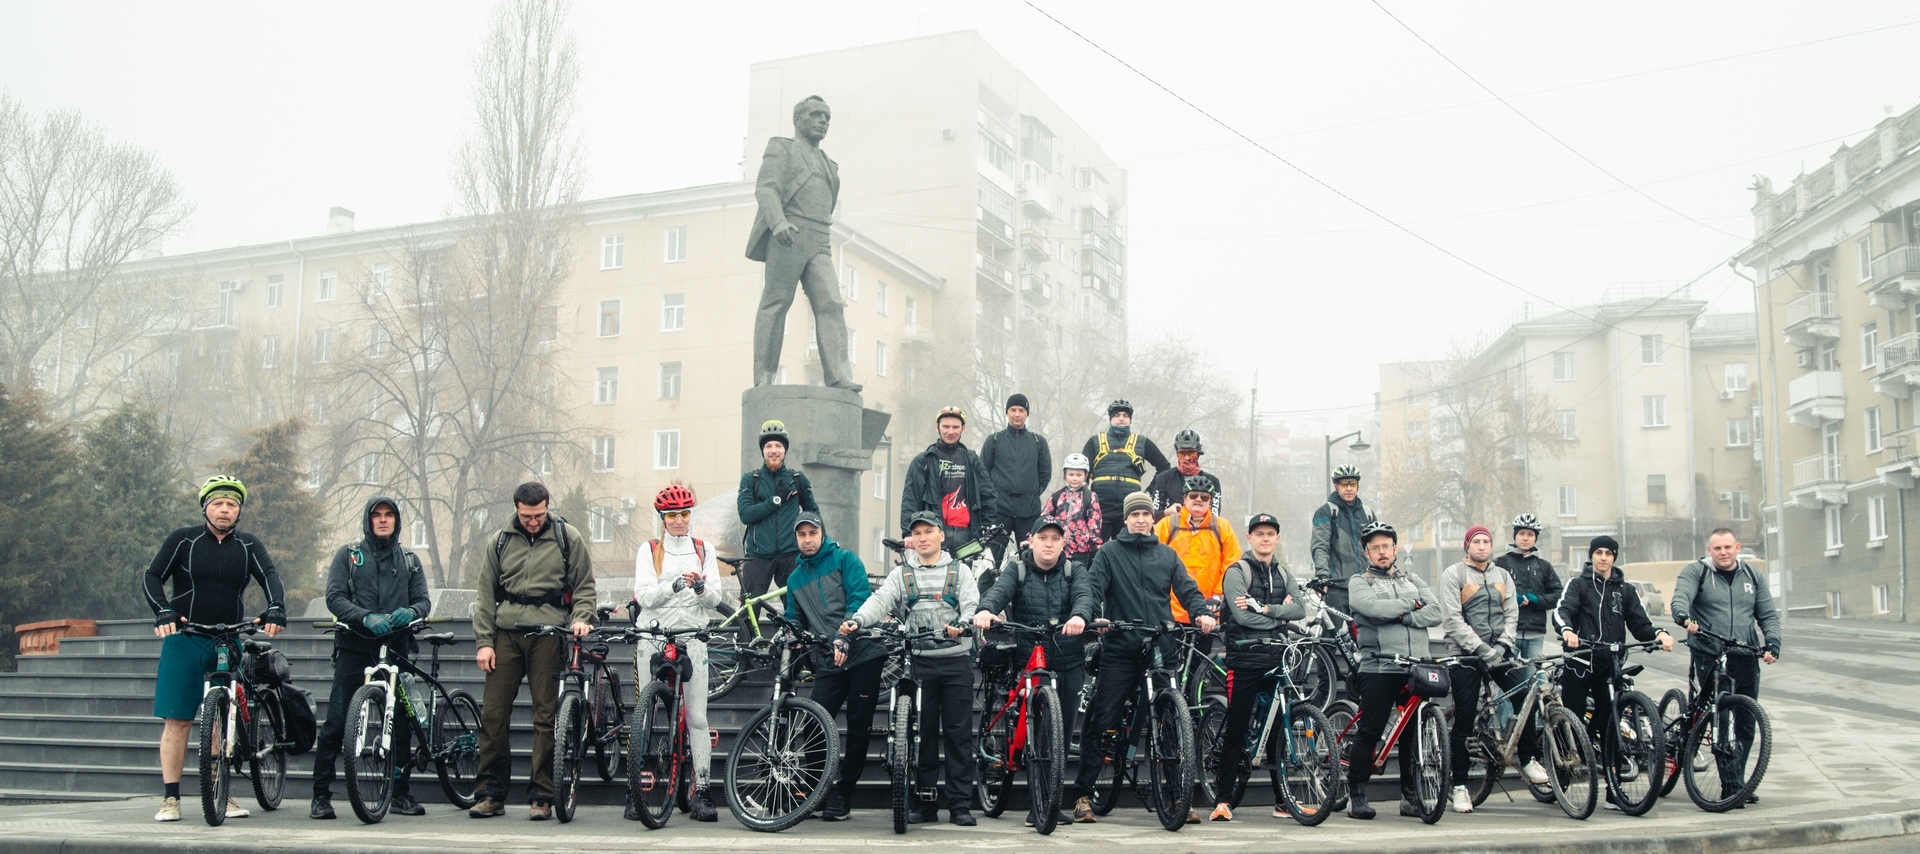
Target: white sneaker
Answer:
[[235, 810], [1462, 800], [1534, 773], [169, 810]]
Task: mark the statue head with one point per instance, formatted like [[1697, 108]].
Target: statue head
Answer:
[[811, 117]]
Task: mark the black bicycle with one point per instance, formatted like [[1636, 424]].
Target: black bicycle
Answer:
[[574, 721], [783, 761], [661, 771], [444, 724], [1158, 712], [1632, 746], [1719, 741], [257, 733], [1290, 738]]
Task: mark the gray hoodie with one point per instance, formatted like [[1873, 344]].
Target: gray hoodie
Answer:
[[1384, 610], [1729, 603], [1477, 607], [919, 596]]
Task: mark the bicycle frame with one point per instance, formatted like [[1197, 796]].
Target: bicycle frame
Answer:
[[1018, 701], [226, 643]]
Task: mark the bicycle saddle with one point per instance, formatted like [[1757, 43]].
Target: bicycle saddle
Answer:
[[1634, 670], [441, 639], [257, 646]]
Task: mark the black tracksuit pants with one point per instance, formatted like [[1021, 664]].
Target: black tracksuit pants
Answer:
[[1378, 694], [349, 673], [1244, 687], [946, 719], [857, 688], [1120, 678]]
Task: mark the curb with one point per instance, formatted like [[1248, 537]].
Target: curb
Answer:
[[1825, 628]]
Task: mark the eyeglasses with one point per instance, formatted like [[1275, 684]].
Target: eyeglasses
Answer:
[[676, 514], [1379, 547]]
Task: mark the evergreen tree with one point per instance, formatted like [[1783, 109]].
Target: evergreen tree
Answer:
[[35, 456], [129, 492], [281, 510]]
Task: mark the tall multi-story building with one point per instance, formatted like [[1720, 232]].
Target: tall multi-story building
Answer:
[[952, 156], [1837, 262]]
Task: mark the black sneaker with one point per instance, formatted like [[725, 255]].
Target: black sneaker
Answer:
[[404, 804], [922, 815], [1357, 806], [322, 807], [964, 818], [836, 808], [703, 807]]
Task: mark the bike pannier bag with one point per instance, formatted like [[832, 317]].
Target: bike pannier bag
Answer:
[[269, 669], [1429, 680], [297, 705]]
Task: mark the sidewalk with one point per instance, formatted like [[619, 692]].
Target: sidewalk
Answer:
[[1877, 629]]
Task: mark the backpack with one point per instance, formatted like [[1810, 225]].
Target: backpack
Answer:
[[947, 588], [659, 553], [1213, 525], [562, 597], [1021, 573], [358, 558], [297, 705], [1106, 450]]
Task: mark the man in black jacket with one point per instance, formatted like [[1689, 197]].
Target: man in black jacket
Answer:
[[1119, 457], [1036, 585], [1258, 599], [1536, 585], [948, 480], [1600, 606], [375, 585], [1019, 464], [1134, 578]]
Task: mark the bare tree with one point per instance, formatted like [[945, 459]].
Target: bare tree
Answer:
[[74, 207]]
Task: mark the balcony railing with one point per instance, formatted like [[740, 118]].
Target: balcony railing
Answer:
[[1035, 286], [1814, 386], [1900, 352], [1814, 306], [1895, 263], [1818, 469], [993, 271]]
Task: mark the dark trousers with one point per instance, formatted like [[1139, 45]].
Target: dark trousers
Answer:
[[946, 719], [1377, 694], [1244, 687], [857, 688], [1067, 685], [1744, 671], [806, 264], [519, 657], [1018, 528], [1466, 708], [1120, 678], [759, 574], [349, 673]]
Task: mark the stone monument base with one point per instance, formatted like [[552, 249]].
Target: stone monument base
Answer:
[[833, 441]]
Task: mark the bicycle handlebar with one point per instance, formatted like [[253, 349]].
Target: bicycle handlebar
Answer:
[[1592, 644], [1730, 642], [1049, 628], [218, 629]]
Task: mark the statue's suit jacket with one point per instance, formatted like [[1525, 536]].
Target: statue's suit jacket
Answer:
[[783, 169]]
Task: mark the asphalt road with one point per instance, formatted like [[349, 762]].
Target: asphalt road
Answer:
[[1870, 676]]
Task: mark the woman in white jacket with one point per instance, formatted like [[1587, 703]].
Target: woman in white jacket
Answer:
[[675, 586]]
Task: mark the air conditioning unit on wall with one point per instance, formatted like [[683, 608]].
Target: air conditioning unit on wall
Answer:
[[1726, 394]]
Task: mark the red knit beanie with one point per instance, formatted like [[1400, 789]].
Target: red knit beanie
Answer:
[[1468, 539]]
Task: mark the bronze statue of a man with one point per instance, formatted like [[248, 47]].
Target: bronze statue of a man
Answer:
[[796, 192]]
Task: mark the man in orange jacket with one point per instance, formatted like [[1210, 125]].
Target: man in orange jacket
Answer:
[[1204, 541]]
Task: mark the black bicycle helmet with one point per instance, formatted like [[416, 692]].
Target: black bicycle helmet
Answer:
[[1186, 440], [1369, 530], [1198, 483], [1120, 406]]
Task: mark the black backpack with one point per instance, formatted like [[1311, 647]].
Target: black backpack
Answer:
[[562, 597], [297, 705]]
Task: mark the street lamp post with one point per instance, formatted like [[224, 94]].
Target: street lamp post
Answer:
[[1359, 444]]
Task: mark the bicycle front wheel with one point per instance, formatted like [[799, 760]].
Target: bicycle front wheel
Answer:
[[367, 753], [1674, 727], [1311, 668], [781, 764], [900, 758], [266, 756], [569, 749], [1307, 775], [1638, 757], [608, 752], [216, 763], [1739, 741], [456, 745], [1046, 757], [651, 775], [1570, 766], [1172, 763], [1432, 756]]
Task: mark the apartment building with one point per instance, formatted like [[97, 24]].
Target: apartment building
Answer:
[[1836, 264]]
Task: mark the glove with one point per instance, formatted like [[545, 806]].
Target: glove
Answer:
[[1528, 599], [377, 624], [1491, 655], [276, 616], [167, 616], [700, 586], [679, 584], [402, 616]]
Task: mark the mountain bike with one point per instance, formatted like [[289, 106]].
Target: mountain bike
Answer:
[[575, 721], [1565, 750], [903, 717], [787, 753], [1314, 664], [1431, 754], [444, 726], [1158, 712], [1716, 739], [1631, 747], [1289, 737], [606, 721], [1024, 733], [257, 734], [661, 773], [736, 645]]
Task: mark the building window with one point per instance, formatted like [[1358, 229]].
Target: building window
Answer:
[[276, 286], [1739, 507], [603, 453], [850, 284], [1736, 376], [547, 328], [1833, 602], [322, 345], [676, 244], [600, 524], [609, 318], [1834, 535], [673, 312], [419, 530], [543, 460], [613, 251], [324, 291], [880, 358], [880, 481], [377, 340], [1869, 345], [913, 312], [606, 386], [1653, 350], [1865, 250], [666, 449], [880, 298], [269, 352], [1567, 419], [1882, 599], [1823, 273], [382, 278], [1876, 517], [669, 380], [1656, 489], [1653, 410], [1873, 429], [229, 295], [1737, 435], [1563, 367], [1569, 501], [853, 346]]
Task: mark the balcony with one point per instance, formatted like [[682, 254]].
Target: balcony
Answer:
[[1096, 201], [1811, 319], [993, 273], [1035, 286], [1033, 244], [917, 336], [1819, 480], [995, 227], [1899, 374], [1894, 277], [1036, 202], [1816, 398], [219, 319]]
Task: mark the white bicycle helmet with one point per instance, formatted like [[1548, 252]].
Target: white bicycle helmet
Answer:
[[1077, 461]]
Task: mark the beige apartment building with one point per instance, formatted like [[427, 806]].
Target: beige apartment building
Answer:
[[1837, 269], [1639, 412]]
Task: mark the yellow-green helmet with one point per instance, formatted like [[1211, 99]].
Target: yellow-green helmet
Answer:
[[223, 483], [774, 430]]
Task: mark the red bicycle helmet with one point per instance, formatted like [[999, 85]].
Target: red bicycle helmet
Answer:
[[674, 497]]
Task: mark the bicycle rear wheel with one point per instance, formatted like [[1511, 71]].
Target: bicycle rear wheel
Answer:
[[1311, 668], [456, 745], [608, 753], [367, 753], [728, 662], [1307, 776], [1212, 747], [266, 757], [1119, 742], [1571, 771], [651, 775], [216, 763], [1432, 756], [993, 760], [1740, 740], [1046, 757], [1638, 757], [900, 758], [1674, 727], [1171, 761], [781, 763], [1340, 714]]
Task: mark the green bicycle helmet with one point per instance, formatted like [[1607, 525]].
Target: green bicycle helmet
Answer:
[[222, 483]]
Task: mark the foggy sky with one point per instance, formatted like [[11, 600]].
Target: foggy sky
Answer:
[[270, 114]]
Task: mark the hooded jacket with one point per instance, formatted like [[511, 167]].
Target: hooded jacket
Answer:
[[1605, 610], [1478, 608], [1020, 465], [532, 566], [1535, 583], [918, 594], [374, 575], [1390, 624], [823, 591], [653, 588], [1337, 555], [1205, 549], [1268, 583], [922, 491], [1046, 594], [1730, 603], [1129, 580], [770, 523]]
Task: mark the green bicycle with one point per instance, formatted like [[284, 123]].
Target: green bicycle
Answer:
[[736, 645]]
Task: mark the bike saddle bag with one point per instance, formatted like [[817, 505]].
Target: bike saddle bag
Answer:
[[268, 668], [1429, 680]]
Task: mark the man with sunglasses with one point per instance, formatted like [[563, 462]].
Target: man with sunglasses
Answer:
[[949, 481]]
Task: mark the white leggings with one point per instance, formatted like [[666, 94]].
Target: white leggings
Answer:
[[696, 695]]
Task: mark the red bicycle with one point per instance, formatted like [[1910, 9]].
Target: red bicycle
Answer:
[[1430, 748], [1024, 734], [660, 772]]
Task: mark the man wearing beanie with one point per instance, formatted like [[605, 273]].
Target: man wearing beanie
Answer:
[[1131, 579], [1480, 614], [1599, 605], [1019, 463]]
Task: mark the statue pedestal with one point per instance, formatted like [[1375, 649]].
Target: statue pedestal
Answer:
[[833, 441]]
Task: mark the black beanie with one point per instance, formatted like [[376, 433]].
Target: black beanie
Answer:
[[1017, 399], [1604, 542]]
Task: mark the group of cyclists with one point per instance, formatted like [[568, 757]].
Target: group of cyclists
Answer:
[[1110, 561]]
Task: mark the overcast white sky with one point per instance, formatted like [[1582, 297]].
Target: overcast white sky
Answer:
[[271, 113]]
